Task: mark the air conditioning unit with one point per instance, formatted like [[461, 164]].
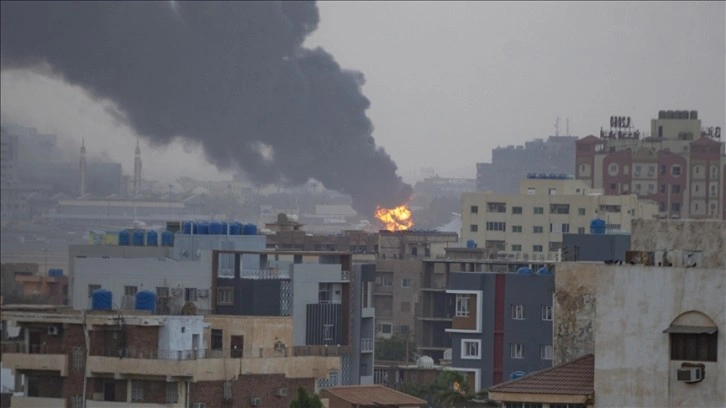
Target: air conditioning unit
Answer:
[[53, 330], [202, 293], [689, 374], [281, 392], [255, 402], [177, 291]]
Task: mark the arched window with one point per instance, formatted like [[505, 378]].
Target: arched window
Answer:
[[693, 337]]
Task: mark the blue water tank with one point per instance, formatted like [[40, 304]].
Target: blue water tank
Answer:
[[517, 374], [167, 239], [524, 271], [188, 227], [201, 228], [124, 238], [542, 175], [137, 238], [235, 228], [249, 229], [152, 238], [55, 272], [225, 228], [544, 271], [215, 228], [101, 299], [471, 244], [531, 175], [597, 226], [146, 300]]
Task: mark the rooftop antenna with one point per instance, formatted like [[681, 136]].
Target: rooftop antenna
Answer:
[[557, 126]]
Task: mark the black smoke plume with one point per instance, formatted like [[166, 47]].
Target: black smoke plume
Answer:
[[231, 75]]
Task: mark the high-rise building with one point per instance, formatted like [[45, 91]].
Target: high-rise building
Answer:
[[680, 166]]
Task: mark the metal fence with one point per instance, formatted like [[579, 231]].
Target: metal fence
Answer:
[[17, 347], [182, 355]]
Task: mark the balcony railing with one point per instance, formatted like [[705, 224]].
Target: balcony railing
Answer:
[[366, 344], [21, 348], [183, 355]]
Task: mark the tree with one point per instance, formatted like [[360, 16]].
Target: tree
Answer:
[[450, 390], [304, 400], [393, 349]]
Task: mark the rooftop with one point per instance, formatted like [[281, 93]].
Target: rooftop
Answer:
[[374, 395]]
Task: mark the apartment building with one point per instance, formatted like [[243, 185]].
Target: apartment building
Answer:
[[395, 295], [530, 225], [414, 244], [681, 166], [98, 358]]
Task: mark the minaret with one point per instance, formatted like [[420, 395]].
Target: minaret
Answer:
[[137, 169], [82, 167]]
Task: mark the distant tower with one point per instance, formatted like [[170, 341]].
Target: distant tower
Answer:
[[137, 169], [82, 167]]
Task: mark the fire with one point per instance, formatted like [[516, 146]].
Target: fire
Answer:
[[395, 219]]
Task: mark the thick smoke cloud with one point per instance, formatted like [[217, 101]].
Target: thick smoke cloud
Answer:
[[233, 76]]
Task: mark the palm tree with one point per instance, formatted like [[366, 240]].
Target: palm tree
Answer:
[[451, 390]]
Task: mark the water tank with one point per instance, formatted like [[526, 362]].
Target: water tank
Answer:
[[201, 228], [661, 114], [216, 228], [146, 300], [235, 228], [597, 226], [553, 176], [471, 244], [188, 227], [249, 229], [101, 299], [694, 114], [531, 175], [524, 271], [517, 374], [167, 239], [124, 238], [542, 176], [152, 238], [544, 271], [137, 238], [562, 176], [425, 362], [55, 272], [225, 228], [669, 114]]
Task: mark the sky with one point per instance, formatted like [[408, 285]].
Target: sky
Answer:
[[449, 81]]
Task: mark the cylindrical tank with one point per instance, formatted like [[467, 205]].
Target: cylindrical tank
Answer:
[[167, 239], [694, 114], [669, 114], [524, 271], [597, 226], [544, 271], [152, 238], [661, 114], [235, 228], [201, 228], [101, 299], [146, 300], [215, 228], [249, 229], [471, 244], [225, 228], [124, 238], [188, 227], [137, 238]]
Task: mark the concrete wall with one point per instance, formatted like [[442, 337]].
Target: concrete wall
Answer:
[[708, 236], [574, 310], [257, 331], [177, 333]]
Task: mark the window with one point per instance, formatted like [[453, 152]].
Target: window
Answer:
[[536, 248], [567, 406], [518, 312], [79, 358], [405, 307], [93, 288], [546, 312], [190, 294], [495, 244], [539, 210], [130, 290], [675, 189], [516, 228], [559, 208], [473, 228], [530, 191], [581, 230], [386, 328], [613, 169], [414, 251], [516, 248], [470, 349], [714, 172], [713, 191], [475, 209], [637, 170], [172, 393], [137, 391], [581, 211], [387, 282], [217, 339], [613, 186], [497, 207], [662, 169], [496, 226], [538, 229], [516, 350], [545, 352], [566, 228], [675, 207], [225, 296], [662, 188], [462, 305], [694, 346], [406, 283], [676, 170], [516, 210], [162, 292]]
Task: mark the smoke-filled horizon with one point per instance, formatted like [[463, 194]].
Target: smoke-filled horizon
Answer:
[[232, 76]]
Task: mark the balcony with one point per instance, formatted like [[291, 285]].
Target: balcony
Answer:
[[115, 404], [366, 345], [36, 402], [16, 357]]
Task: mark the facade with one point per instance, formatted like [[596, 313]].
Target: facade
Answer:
[[529, 225], [413, 244], [395, 295], [679, 166], [72, 358], [501, 326], [686, 241]]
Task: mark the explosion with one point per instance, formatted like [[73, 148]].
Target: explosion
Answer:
[[395, 219]]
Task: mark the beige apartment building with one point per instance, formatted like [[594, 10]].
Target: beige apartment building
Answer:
[[529, 225]]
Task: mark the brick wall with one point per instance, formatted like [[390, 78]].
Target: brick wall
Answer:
[[249, 386], [73, 336], [142, 338], [49, 386]]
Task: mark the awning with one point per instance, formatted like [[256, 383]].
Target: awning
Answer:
[[691, 329]]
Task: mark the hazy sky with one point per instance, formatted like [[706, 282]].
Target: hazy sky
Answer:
[[449, 81]]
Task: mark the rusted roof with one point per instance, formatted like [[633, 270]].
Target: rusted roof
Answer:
[[574, 377], [376, 395]]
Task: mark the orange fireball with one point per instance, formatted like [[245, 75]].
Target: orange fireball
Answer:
[[395, 219]]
